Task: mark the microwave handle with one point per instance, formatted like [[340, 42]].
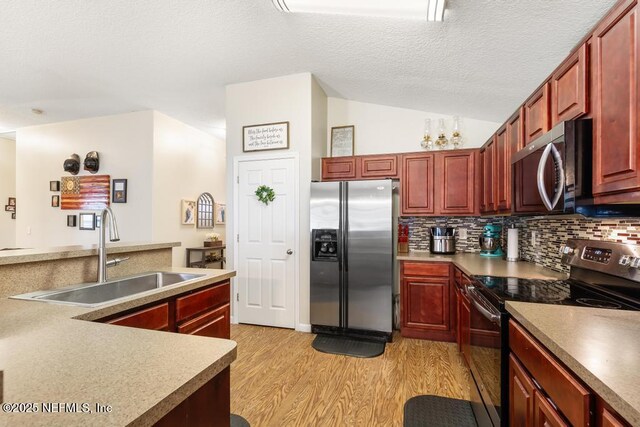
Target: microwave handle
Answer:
[[559, 168]]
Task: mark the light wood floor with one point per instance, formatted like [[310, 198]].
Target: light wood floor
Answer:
[[278, 379]]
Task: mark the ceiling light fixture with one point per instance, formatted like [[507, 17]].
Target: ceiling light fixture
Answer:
[[431, 10]]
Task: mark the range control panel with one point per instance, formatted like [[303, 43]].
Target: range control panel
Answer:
[[600, 255]]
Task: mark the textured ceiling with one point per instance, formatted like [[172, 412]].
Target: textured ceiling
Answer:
[[82, 58]]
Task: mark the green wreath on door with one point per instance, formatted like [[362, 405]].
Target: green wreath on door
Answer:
[[265, 194]]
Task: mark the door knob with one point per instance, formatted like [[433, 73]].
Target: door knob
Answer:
[[289, 251]]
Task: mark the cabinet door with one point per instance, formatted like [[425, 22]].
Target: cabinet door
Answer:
[[426, 308], [465, 328], [569, 87], [338, 168], [378, 167], [537, 117], [616, 85], [521, 391], [606, 417], [458, 304], [156, 318], [215, 323], [515, 131], [488, 177], [417, 184], [503, 170], [456, 191], [544, 414]]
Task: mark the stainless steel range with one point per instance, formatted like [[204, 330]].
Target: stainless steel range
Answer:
[[603, 275]]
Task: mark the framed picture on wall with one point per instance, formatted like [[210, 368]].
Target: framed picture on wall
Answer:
[[9, 208], [13, 215], [221, 213], [188, 212], [268, 136], [54, 185], [11, 201], [342, 138], [87, 221], [119, 191], [72, 221], [55, 201]]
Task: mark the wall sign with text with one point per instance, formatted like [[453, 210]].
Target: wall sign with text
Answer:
[[269, 136]]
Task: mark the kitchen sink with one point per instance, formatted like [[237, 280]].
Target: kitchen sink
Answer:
[[93, 294]]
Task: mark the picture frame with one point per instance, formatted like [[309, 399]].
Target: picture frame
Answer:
[[54, 185], [87, 221], [342, 141], [119, 191], [265, 137], [9, 208], [55, 201], [72, 221], [221, 213], [11, 201], [13, 215], [188, 212]]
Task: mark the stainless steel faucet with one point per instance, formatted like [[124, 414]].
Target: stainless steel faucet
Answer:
[[114, 236]]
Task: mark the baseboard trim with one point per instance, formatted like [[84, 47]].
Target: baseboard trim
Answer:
[[303, 327]]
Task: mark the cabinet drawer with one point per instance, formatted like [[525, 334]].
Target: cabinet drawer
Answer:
[[211, 324], [430, 269], [571, 398], [197, 302], [156, 317]]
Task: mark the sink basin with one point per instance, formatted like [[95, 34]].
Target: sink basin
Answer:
[[93, 294]]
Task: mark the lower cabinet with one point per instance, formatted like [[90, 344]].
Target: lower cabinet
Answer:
[[428, 298], [155, 317], [214, 323]]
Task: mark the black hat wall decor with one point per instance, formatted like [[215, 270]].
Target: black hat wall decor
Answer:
[[92, 162], [72, 164]]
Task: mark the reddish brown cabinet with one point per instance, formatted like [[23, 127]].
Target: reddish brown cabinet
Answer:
[[503, 170], [488, 156], [569, 87], [537, 117], [545, 414], [378, 167], [417, 184], [521, 390], [155, 317], [616, 96], [214, 323], [427, 298], [456, 184], [338, 168]]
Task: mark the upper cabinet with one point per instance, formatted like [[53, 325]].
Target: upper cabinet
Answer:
[[457, 185], [569, 87], [536, 114], [503, 170], [379, 167], [488, 197], [338, 168], [615, 89], [417, 184]]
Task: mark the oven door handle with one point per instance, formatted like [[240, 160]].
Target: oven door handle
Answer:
[[559, 170], [476, 299]]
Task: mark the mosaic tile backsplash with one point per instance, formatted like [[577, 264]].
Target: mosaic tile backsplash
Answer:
[[550, 233]]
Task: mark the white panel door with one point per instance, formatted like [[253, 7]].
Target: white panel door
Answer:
[[266, 261]]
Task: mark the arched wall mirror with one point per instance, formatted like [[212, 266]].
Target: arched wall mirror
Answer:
[[205, 211]]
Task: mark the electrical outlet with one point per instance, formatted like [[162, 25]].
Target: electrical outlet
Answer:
[[534, 238], [462, 233]]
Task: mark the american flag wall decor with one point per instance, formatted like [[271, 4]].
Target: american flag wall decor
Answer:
[[85, 192]]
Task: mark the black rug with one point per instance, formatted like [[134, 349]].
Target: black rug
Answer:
[[436, 411], [238, 421], [347, 346]]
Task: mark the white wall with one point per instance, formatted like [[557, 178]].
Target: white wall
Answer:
[[125, 144], [299, 100], [381, 129], [186, 163], [7, 189]]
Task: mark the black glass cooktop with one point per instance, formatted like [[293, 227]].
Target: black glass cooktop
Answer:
[[561, 292]]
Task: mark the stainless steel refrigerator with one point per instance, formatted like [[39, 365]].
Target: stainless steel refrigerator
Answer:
[[352, 267]]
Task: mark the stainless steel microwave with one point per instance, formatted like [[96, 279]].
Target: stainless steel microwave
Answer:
[[553, 175]]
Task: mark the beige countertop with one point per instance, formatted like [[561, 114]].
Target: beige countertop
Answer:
[[600, 346], [473, 264], [20, 256], [50, 353]]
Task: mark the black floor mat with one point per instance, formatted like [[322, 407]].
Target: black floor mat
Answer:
[[436, 411], [347, 346], [238, 421]]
